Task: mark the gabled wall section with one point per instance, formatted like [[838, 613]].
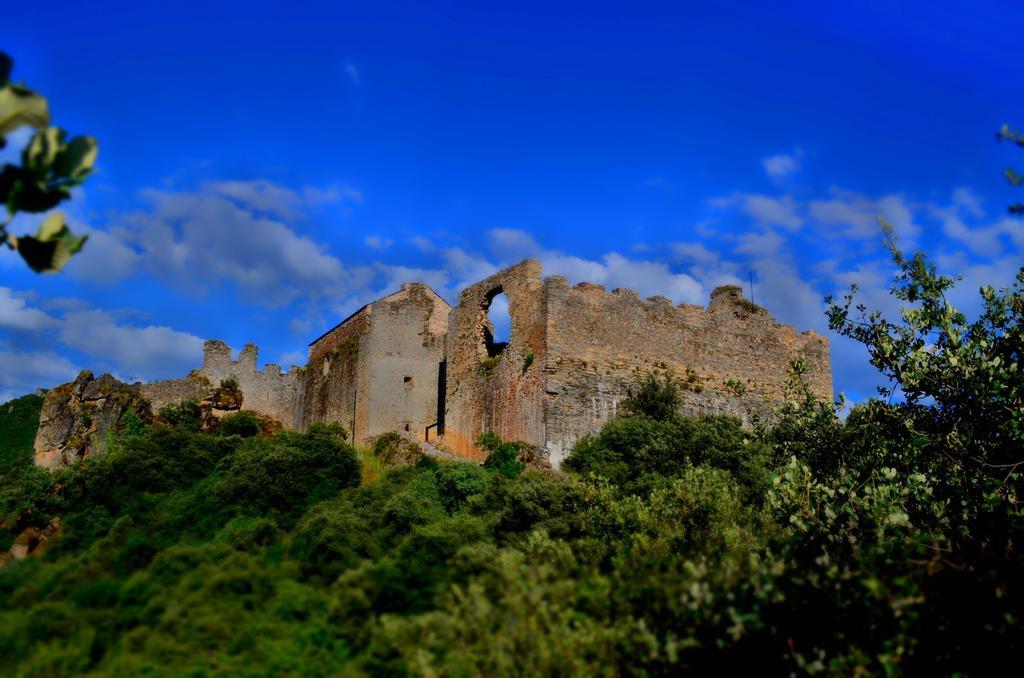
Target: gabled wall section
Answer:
[[378, 370]]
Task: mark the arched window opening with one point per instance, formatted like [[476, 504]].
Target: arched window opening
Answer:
[[497, 328]]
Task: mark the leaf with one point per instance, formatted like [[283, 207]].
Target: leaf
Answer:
[[42, 149], [52, 246], [6, 64], [76, 159], [23, 193], [21, 106]]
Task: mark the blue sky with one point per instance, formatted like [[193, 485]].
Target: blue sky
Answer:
[[267, 168]]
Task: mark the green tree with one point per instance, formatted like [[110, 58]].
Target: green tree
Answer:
[[656, 397], [51, 165], [1014, 137]]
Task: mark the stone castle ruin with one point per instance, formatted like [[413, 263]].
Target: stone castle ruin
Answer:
[[411, 363]]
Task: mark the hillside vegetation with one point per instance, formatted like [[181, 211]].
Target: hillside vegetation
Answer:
[[19, 419], [886, 542]]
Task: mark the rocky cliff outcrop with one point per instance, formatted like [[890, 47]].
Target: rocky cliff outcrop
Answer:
[[78, 418]]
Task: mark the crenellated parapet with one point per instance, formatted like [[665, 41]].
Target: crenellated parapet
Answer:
[[269, 391]]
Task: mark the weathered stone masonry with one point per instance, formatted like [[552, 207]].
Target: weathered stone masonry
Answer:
[[411, 363], [270, 391], [378, 370], [574, 353]]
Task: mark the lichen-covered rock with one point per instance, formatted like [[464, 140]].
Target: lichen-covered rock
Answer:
[[217, 404], [225, 400], [79, 417]]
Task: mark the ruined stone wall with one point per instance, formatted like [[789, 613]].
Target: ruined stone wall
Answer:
[[268, 392], [378, 371], [502, 395], [599, 343], [590, 347], [330, 390], [573, 355], [170, 391]]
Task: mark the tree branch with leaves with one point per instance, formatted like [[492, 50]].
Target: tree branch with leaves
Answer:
[[51, 165]]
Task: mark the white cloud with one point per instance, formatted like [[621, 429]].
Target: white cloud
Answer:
[[650, 278], [966, 198], [144, 353], [289, 358], [15, 314], [765, 210], [105, 259], [853, 215], [22, 372], [779, 287], [761, 245], [576, 269], [194, 240], [988, 240], [694, 252], [376, 242], [465, 267], [235, 232], [260, 195], [331, 194], [394, 276], [512, 244], [781, 165], [422, 244]]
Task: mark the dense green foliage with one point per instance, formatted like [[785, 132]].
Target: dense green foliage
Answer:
[[502, 456], [885, 542], [19, 419]]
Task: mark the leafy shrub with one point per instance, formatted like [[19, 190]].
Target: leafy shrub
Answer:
[[19, 420], [637, 453], [247, 533], [285, 474], [654, 397], [393, 450], [243, 423], [229, 384], [457, 482], [329, 539], [186, 415], [132, 424], [502, 457]]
